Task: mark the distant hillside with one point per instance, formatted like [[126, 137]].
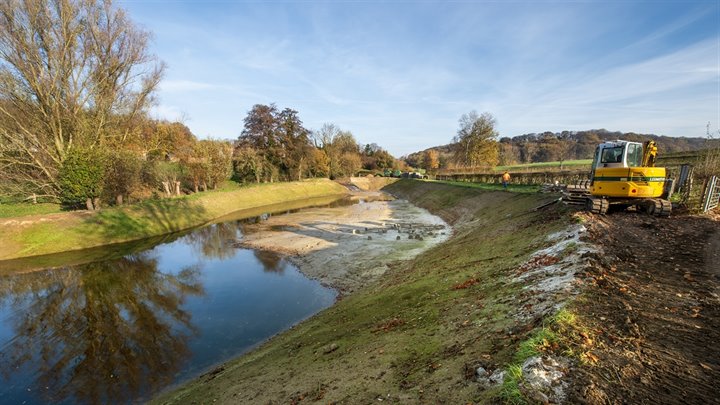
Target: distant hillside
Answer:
[[566, 145], [416, 159]]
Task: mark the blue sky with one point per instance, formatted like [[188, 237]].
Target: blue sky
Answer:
[[401, 73]]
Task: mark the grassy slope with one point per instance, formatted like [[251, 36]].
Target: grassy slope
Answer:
[[36, 235], [412, 337], [22, 209], [515, 188]]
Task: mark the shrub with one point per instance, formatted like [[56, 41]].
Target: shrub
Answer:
[[123, 175], [81, 178]]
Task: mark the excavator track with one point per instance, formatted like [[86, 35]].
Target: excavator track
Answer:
[[597, 205], [658, 207], [576, 194]]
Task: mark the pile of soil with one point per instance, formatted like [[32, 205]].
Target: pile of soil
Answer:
[[653, 301]]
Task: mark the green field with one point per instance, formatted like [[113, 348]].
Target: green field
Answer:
[[568, 164]]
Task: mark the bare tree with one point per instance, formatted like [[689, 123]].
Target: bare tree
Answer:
[[324, 137], [73, 73], [709, 162]]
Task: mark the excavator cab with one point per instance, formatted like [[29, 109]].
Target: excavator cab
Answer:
[[618, 154], [623, 175]]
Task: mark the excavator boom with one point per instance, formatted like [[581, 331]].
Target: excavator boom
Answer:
[[649, 154]]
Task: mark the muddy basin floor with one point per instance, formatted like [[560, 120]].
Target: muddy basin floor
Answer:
[[348, 247]]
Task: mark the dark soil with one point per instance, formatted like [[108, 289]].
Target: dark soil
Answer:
[[653, 301]]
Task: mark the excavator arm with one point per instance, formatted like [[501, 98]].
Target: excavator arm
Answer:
[[649, 154]]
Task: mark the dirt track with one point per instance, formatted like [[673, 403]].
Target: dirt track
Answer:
[[654, 303]]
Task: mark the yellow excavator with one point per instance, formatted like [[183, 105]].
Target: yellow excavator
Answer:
[[624, 175]]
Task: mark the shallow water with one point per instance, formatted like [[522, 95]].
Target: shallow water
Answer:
[[120, 329]]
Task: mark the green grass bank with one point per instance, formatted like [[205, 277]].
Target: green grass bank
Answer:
[[10, 210], [415, 336], [61, 232]]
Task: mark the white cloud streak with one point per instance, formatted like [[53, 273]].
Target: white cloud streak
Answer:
[[182, 86]]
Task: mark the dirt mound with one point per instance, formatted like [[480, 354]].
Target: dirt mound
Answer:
[[653, 299]]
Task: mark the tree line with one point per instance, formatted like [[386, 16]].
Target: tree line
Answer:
[[572, 145], [541, 147], [77, 81], [275, 146]]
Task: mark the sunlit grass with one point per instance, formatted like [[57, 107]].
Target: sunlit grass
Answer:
[[567, 164], [536, 345], [563, 334], [510, 391], [24, 209]]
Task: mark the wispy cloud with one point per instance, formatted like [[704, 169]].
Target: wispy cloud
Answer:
[[400, 74], [681, 69], [668, 94], [186, 86]]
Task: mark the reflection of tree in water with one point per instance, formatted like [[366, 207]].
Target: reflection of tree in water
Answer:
[[272, 262], [216, 241], [104, 332]]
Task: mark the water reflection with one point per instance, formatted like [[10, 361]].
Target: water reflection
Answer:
[[219, 241], [119, 330], [272, 262], [216, 241], [104, 332]]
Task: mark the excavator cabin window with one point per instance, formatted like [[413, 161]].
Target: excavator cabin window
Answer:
[[612, 155], [634, 155]]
